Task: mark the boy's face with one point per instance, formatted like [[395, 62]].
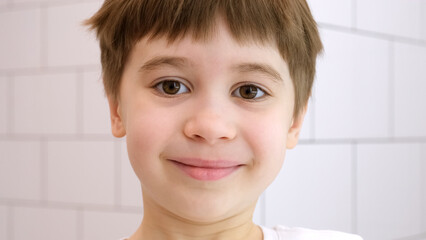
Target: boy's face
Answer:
[[207, 123]]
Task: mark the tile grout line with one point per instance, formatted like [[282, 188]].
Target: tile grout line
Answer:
[[11, 106], [10, 223], [386, 140], [391, 90], [354, 188], [354, 18], [11, 6], [51, 69], [372, 34], [44, 169], [68, 206]]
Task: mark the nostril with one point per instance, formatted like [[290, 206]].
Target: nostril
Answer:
[[198, 136]]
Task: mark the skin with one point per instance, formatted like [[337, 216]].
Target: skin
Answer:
[[207, 119]]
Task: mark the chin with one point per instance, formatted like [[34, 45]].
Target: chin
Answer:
[[210, 210]]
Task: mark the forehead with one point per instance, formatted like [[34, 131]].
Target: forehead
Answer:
[[221, 48]]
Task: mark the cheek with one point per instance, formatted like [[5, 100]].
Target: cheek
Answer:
[[148, 131], [267, 139]]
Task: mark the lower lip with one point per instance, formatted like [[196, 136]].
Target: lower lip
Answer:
[[206, 174]]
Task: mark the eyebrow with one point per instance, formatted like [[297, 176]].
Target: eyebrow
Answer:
[[160, 61], [260, 68], [180, 62]]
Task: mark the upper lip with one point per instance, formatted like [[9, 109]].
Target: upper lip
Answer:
[[205, 163]]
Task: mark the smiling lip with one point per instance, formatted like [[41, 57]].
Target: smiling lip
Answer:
[[206, 170]]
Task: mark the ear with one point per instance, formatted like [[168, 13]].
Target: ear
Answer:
[[117, 126], [296, 126]]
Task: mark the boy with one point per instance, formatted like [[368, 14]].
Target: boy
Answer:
[[209, 95]]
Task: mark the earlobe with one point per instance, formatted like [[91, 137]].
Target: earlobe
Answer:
[[117, 127], [295, 128]]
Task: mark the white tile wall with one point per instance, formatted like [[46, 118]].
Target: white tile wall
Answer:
[[69, 43], [95, 107], [131, 193], [20, 41], [352, 88], [20, 164], [410, 86], [45, 104], [110, 225], [313, 189], [337, 12], [4, 107], [44, 223], [389, 190], [395, 17], [4, 213], [81, 172]]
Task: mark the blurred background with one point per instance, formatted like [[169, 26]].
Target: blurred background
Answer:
[[360, 166]]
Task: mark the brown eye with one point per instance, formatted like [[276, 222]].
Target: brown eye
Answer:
[[249, 92], [170, 87]]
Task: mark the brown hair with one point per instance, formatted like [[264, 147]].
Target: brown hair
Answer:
[[119, 24]]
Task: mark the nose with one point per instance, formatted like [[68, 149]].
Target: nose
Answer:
[[209, 126]]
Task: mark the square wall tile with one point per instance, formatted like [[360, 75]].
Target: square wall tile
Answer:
[[395, 17], [336, 12], [45, 104], [20, 41], [95, 105], [4, 219], [110, 225], [69, 42], [410, 84], [313, 189], [20, 170], [4, 104], [81, 172], [131, 192], [352, 88], [389, 185], [44, 223]]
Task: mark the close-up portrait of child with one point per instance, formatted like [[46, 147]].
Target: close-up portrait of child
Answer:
[[209, 95], [213, 120]]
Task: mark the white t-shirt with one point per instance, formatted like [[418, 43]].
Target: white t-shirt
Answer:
[[292, 233]]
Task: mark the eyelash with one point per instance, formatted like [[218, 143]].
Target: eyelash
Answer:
[[160, 88]]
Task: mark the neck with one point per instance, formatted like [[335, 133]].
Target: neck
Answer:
[[158, 223]]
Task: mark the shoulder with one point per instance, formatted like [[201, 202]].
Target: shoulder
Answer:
[[296, 233]]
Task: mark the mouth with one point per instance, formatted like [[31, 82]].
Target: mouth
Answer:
[[205, 170]]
